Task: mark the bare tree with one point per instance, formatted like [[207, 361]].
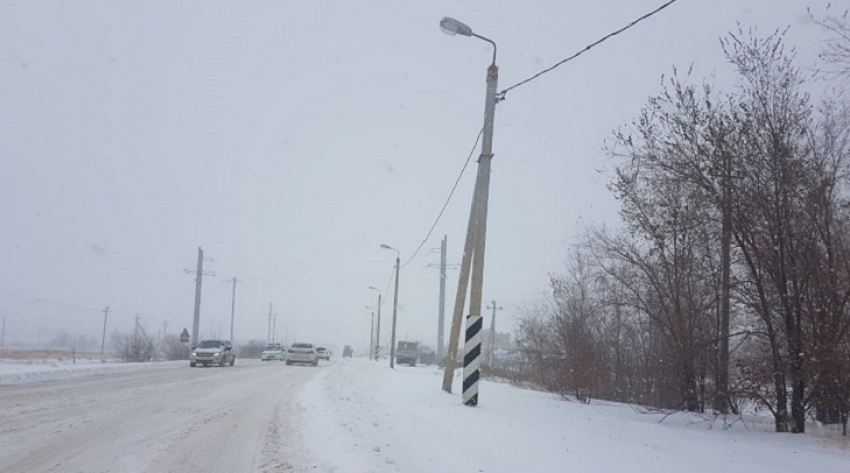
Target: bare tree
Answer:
[[173, 349], [730, 278], [138, 346], [836, 49]]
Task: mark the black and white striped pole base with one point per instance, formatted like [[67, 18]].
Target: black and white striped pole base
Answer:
[[377, 351], [472, 359]]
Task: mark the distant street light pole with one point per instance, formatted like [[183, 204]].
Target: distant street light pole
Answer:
[[492, 341], [441, 312], [478, 228], [395, 302], [376, 348], [371, 332], [235, 281], [103, 338], [269, 332]]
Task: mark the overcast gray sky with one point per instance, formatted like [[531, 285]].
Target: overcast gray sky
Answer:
[[291, 139]]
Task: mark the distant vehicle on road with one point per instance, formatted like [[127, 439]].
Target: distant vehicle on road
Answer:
[[273, 351], [347, 352], [302, 353], [213, 352], [323, 353], [407, 353], [427, 355]]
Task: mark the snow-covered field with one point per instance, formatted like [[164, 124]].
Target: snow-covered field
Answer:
[[359, 416], [21, 366]]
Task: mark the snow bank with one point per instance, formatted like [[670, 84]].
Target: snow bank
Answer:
[[359, 416], [24, 372]]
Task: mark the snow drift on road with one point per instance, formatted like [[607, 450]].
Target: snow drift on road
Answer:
[[12, 373], [359, 416]]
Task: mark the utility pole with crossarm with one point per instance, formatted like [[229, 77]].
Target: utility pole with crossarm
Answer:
[[492, 341], [199, 273]]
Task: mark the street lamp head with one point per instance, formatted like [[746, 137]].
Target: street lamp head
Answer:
[[374, 288], [388, 247], [451, 27]]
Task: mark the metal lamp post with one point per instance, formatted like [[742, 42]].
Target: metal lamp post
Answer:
[[376, 348], [371, 332], [473, 254], [395, 302]]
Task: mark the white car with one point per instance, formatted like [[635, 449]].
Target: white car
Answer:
[[273, 351], [323, 353], [302, 353]]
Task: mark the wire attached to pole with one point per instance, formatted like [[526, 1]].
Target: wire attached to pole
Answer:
[[448, 199], [586, 49]]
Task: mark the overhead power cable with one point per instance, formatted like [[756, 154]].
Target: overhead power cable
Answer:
[[587, 48], [448, 199], [387, 290]]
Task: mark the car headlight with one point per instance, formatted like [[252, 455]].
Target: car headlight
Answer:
[[194, 354]]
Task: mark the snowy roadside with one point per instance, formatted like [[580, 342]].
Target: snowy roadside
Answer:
[[17, 372], [359, 416]]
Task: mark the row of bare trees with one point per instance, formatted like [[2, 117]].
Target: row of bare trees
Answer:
[[140, 346], [729, 280]]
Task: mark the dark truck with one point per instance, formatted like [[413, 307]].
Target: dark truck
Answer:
[[407, 353]]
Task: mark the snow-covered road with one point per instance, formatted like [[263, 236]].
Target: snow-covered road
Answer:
[[166, 419]]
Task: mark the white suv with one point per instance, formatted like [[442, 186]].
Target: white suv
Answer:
[[302, 353]]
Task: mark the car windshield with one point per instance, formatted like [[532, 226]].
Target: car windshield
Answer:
[[321, 349], [211, 344], [302, 345], [271, 348]]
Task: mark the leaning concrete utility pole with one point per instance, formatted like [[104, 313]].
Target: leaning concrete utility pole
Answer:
[[460, 297], [478, 221], [199, 273], [472, 347]]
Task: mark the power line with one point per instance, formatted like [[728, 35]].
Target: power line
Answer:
[[587, 48], [384, 300], [448, 199], [539, 290]]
